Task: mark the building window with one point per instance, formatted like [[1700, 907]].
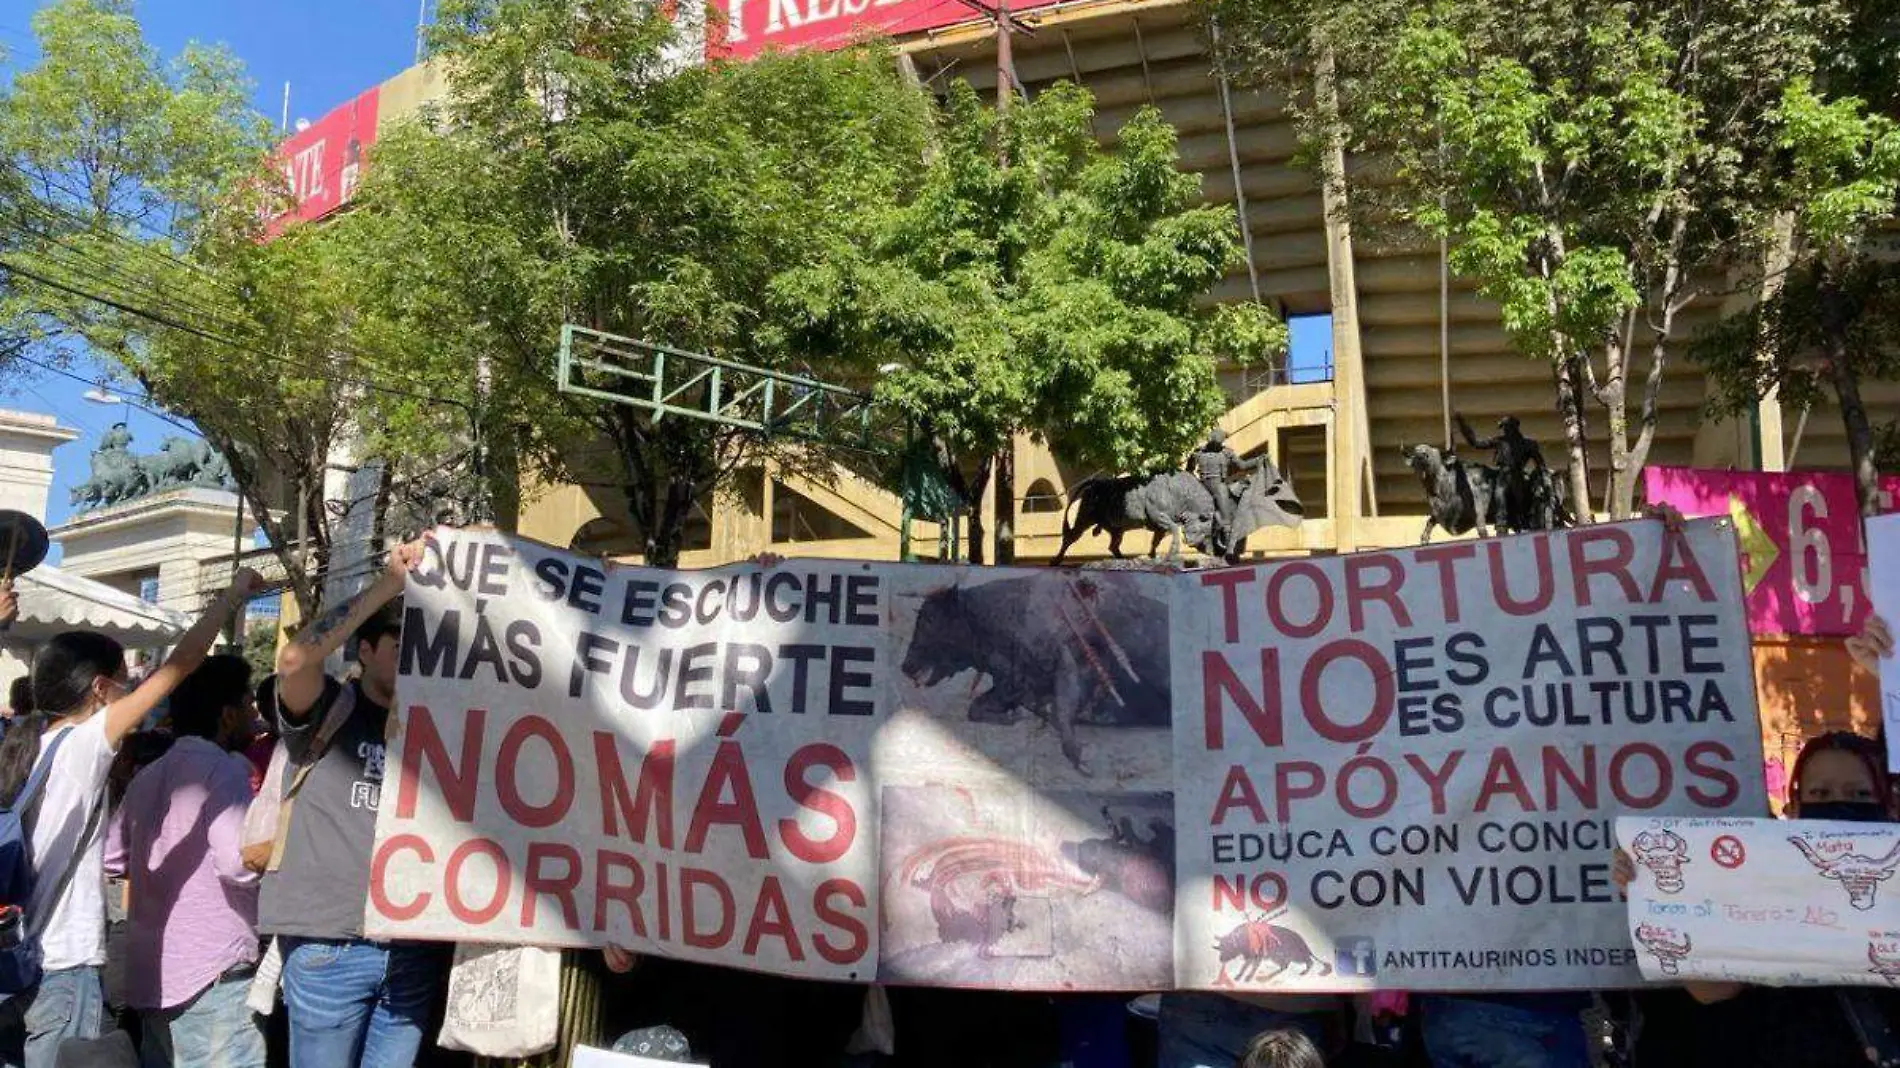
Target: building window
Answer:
[[1042, 498], [1309, 351], [148, 590]]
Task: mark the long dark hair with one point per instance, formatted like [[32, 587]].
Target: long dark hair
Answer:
[[1865, 749], [63, 673]]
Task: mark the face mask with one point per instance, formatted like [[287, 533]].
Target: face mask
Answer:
[[1849, 811]]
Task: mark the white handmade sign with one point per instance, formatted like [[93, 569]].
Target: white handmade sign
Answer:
[[1782, 902], [1883, 588]]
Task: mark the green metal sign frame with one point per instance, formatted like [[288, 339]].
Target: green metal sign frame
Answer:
[[666, 381]]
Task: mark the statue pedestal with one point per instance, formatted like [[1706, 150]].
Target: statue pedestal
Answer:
[[168, 536]]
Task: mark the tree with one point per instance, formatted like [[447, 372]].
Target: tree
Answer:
[[574, 177], [1830, 309], [131, 220], [1036, 284], [1589, 162]]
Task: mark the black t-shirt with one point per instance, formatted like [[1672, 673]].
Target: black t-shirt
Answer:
[[1769, 1027], [322, 885]]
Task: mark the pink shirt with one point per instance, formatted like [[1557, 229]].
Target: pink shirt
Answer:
[[177, 839]]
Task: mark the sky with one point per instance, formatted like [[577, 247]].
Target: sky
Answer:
[[328, 50]]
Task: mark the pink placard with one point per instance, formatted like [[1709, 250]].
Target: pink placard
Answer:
[[1804, 564]]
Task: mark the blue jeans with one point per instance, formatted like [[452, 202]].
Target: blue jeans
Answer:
[[1472, 1033], [216, 1029], [357, 1003], [1212, 1030], [70, 1003]]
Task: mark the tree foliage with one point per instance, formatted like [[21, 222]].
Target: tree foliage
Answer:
[[572, 177], [1830, 303], [131, 220], [1038, 284], [1592, 164]]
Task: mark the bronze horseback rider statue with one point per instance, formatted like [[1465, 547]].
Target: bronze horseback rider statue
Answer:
[[1215, 465]]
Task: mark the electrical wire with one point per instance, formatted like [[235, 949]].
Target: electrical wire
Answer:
[[177, 320], [174, 322], [82, 380]]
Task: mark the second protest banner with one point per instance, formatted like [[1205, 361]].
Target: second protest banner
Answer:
[[1391, 770], [1780, 902]]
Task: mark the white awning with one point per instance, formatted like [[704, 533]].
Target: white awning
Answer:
[[52, 601]]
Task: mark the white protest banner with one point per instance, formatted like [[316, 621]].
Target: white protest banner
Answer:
[[966, 776], [1782, 902], [569, 766], [1404, 765], [1883, 588]]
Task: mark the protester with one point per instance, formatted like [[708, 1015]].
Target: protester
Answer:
[[19, 697], [83, 710], [260, 741], [1200, 1030], [191, 947], [351, 1001], [1837, 776], [1504, 1030], [1285, 1047]]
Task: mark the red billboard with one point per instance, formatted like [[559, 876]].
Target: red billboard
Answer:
[[755, 25], [322, 163]]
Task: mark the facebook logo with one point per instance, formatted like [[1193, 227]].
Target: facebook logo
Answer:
[[1357, 956]]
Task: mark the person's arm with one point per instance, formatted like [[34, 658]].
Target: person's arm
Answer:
[[115, 844], [300, 675], [123, 716], [1471, 437], [229, 800]]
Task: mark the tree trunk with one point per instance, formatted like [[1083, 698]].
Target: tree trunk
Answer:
[[1006, 504], [1576, 441], [669, 530], [1836, 318], [978, 486], [1614, 396]]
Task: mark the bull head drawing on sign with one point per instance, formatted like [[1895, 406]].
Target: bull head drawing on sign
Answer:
[[1663, 853], [1668, 945], [1885, 964], [1860, 875]]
